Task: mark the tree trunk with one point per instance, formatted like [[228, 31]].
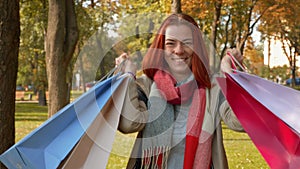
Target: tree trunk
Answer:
[[62, 36], [269, 53], [176, 6], [42, 98], [100, 49], [9, 49], [293, 55], [82, 76], [226, 36], [213, 36]]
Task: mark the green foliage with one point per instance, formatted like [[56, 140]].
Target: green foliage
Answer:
[[125, 19], [145, 6], [139, 21], [93, 57], [32, 67], [281, 72], [136, 32]]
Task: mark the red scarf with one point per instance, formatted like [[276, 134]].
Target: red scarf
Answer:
[[177, 95]]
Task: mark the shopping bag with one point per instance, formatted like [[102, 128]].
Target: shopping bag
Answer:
[[269, 113], [49, 144], [93, 149]]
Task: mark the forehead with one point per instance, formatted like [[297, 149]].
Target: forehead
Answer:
[[178, 32]]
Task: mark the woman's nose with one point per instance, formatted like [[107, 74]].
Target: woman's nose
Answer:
[[179, 49]]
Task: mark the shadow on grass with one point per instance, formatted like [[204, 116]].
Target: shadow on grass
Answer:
[[30, 119], [237, 139], [30, 112]]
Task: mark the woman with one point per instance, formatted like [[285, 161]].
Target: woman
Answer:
[[176, 106]]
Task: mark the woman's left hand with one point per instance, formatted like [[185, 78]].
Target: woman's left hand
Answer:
[[226, 62]]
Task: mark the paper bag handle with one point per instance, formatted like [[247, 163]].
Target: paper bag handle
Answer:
[[234, 62]]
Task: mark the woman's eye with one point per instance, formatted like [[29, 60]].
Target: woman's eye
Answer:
[[188, 43], [169, 43]]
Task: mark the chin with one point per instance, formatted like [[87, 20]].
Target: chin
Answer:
[[177, 70]]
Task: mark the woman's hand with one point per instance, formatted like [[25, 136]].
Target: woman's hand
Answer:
[[128, 65], [227, 61]]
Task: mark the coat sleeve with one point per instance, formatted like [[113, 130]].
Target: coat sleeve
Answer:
[[134, 113], [228, 116], [220, 104]]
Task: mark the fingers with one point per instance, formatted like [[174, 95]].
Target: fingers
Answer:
[[121, 58], [128, 65], [232, 60], [236, 53], [226, 65]]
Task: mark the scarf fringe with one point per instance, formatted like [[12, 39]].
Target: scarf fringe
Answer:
[[155, 158]]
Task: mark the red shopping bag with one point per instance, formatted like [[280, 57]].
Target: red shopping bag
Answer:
[[269, 113]]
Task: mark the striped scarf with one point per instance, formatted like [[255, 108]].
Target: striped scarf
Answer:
[[158, 131]]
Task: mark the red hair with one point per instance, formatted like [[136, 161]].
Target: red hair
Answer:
[[154, 58]]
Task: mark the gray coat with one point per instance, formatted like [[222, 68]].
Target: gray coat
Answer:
[[134, 115]]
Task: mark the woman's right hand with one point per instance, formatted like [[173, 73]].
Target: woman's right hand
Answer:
[[128, 65]]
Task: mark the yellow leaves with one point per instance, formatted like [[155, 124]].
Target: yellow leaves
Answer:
[[196, 8]]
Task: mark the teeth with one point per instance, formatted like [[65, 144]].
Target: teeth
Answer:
[[180, 58]]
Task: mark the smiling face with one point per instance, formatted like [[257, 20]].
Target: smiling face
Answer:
[[179, 50]]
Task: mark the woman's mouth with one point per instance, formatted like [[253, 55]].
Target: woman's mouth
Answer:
[[179, 60]]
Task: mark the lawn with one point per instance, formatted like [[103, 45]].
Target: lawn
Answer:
[[240, 150]]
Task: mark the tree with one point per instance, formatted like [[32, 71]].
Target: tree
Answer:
[[280, 23], [254, 57], [9, 48], [95, 20], [140, 20], [61, 39], [176, 6], [243, 17], [229, 23]]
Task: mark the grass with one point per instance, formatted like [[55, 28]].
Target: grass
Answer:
[[241, 152], [28, 117]]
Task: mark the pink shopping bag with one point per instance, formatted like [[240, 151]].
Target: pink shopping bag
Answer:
[[269, 113]]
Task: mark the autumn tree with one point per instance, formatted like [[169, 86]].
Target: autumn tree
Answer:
[[9, 48], [227, 23], [281, 24], [254, 57], [61, 39]]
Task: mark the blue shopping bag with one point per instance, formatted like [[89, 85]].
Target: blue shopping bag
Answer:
[[49, 144]]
